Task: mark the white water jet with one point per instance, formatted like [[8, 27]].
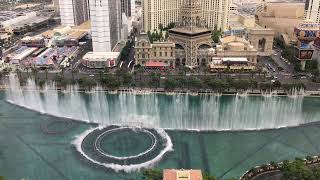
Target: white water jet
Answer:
[[180, 111], [126, 168]]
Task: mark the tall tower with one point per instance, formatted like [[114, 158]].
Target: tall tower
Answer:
[[191, 32], [312, 10], [155, 12], [128, 7], [191, 14], [106, 20], [73, 13]]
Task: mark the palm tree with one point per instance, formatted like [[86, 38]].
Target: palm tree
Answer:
[[18, 72], [73, 73], [27, 68], [34, 72], [46, 71], [140, 71], [62, 71]]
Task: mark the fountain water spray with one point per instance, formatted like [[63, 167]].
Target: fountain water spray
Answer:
[[182, 112]]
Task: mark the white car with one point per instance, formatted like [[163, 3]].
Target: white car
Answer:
[[91, 75]]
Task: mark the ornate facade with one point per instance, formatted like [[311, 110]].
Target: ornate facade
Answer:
[[155, 12], [262, 40], [157, 52], [191, 32], [232, 46]]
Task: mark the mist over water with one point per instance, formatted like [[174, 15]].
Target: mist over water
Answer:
[[204, 112]]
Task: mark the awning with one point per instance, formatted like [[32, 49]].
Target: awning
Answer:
[[155, 64]]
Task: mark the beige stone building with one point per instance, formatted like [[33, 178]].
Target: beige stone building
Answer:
[[312, 10], [233, 46], [156, 54], [155, 12], [244, 25], [176, 174], [262, 40], [191, 32], [282, 17]]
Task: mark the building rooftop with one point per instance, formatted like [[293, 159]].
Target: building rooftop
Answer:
[[234, 59], [229, 39], [86, 26], [190, 31], [100, 55], [174, 174]]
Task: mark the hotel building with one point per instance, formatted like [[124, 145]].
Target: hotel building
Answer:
[[128, 7], [74, 12], [155, 12], [106, 24], [312, 8]]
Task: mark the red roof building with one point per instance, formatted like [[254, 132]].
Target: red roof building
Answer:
[[174, 174]]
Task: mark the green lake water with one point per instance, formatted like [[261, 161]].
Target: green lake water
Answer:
[[30, 150]]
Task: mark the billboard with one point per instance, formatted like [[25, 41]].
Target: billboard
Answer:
[[303, 54], [316, 42]]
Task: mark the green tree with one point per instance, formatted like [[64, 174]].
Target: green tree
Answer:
[[110, 81], [312, 67], [169, 26], [170, 84], [160, 27], [316, 172], [216, 35], [18, 72], [161, 36], [46, 73], [194, 83], [86, 83], [35, 72], [296, 170], [124, 54], [208, 177], [166, 36], [74, 72], [60, 81], [152, 174], [265, 86], [182, 82], [154, 79], [276, 84], [274, 164], [126, 78]]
